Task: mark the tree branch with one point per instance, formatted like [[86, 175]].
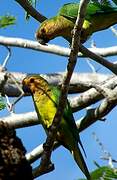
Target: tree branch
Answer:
[[21, 120], [91, 96], [79, 81], [32, 11], [98, 113], [54, 49]]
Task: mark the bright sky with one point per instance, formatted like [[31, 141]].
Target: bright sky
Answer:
[[23, 60]]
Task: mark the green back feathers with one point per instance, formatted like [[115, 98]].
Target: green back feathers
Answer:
[[70, 10]]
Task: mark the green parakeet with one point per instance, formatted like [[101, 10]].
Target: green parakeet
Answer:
[[98, 17], [46, 98]]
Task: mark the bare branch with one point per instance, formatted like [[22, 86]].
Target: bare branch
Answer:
[[79, 81], [91, 96], [27, 44], [54, 49], [21, 120], [32, 11], [35, 153], [97, 113]]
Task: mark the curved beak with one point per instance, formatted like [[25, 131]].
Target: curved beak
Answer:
[[25, 87], [41, 41]]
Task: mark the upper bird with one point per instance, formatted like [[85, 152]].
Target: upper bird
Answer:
[[98, 17], [46, 99]]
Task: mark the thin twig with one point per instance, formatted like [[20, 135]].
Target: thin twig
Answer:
[[100, 144], [7, 57], [91, 66], [107, 159], [9, 105], [111, 66], [19, 88], [113, 30], [106, 153]]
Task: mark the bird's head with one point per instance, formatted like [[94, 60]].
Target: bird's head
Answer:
[[34, 83], [46, 31]]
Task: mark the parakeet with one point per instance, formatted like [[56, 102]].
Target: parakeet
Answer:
[[98, 17], [46, 99]]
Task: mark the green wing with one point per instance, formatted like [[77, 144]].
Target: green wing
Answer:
[[70, 10], [68, 116]]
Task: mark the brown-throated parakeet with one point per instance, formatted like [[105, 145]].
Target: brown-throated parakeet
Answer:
[[46, 99], [98, 17]]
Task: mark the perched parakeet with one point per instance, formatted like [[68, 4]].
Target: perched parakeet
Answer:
[[98, 17], [46, 99]]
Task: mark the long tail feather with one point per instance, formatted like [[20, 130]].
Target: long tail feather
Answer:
[[80, 162]]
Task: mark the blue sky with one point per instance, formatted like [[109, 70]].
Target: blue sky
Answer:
[[23, 60]]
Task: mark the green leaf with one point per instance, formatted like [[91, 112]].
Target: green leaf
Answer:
[[2, 103], [6, 21], [104, 172]]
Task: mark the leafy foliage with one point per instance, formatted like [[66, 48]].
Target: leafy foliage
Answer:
[[6, 21], [2, 103], [104, 172]]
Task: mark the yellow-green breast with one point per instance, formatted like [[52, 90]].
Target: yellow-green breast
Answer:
[[46, 107]]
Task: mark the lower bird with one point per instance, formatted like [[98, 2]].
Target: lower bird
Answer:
[[46, 99]]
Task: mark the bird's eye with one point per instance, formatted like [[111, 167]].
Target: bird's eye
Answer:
[[32, 80], [43, 30]]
